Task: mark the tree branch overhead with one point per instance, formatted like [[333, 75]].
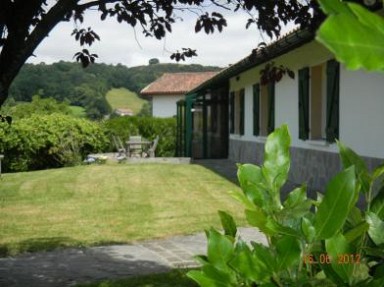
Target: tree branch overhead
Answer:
[[25, 24]]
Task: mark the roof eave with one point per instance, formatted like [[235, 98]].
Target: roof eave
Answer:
[[160, 93], [284, 45]]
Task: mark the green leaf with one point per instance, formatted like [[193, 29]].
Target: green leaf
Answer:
[[356, 232], [331, 275], [378, 271], [252, 183], [276, 158], [340, 197], [338, 246], [203, 280], [228, 224], [333, 7], [378, 172], [308, 229], [288, 252], [297, 212], [376, 283], [249, 173], [259, 219], [296, 205], [296, 197], [220, 249], [376, 228], [250, 266], [266, 256], [239, 196], [220, 277], [276, 227], [354, 217], [202, 259], [354, 34], [377, 205], [361, 273], [349, 158]]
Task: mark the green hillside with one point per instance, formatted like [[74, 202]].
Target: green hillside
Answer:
[[87, 88], [124, 99]]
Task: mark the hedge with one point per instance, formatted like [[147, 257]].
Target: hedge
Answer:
[[49, 141], [149, 128]]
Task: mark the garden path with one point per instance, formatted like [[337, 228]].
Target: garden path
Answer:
[[70, 266]]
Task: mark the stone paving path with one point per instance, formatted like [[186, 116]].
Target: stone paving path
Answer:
[[67, 267]]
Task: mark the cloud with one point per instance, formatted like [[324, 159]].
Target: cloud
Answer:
[[120, 44]]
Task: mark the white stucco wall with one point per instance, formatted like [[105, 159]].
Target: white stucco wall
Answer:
[[164, 106], [361, 104], [362, 112]]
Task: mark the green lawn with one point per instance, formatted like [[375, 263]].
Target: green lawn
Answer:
[[111, 203], [124, 99]]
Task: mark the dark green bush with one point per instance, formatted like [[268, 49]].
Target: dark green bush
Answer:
[[147, 127], [49, 141]]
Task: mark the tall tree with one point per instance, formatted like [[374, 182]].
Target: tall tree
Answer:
[[25, 24]]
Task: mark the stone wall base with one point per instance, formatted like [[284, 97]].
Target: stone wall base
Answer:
[[313, 167]]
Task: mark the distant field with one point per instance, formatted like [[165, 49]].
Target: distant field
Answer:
[[124, 99]]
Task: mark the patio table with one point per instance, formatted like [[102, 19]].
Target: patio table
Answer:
[[133, 145]]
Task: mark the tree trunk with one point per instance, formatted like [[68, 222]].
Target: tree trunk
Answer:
[[20, 43], [3, 93]]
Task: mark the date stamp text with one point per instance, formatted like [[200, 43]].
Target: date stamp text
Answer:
[[324, 258]]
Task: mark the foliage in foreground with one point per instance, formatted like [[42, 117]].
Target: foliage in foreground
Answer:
[[48, 141], [328, 241], [148, 127], [354, 34]]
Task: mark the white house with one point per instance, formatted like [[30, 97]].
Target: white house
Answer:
[[170, 88], [123, 112], [322, 103]]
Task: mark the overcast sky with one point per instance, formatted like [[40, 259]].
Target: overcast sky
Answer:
[[118, 44]]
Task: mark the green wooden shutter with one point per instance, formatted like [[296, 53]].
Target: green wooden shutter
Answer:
[[333, 88], [232, 112], [256, 109], [304, 103], [242, 119], [271, 107], [189, 102]]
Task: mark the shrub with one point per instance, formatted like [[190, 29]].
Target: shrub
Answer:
[[324, 242], [48, 141], [147, 127], [45, 106]]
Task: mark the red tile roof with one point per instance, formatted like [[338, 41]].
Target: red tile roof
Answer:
[[176, 83]]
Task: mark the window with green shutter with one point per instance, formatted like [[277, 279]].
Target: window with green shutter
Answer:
[[256, 109], [333, 87], [319, 102], [304, 103], [241, 111], [271, 107], [232, 112], [266, 109]]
